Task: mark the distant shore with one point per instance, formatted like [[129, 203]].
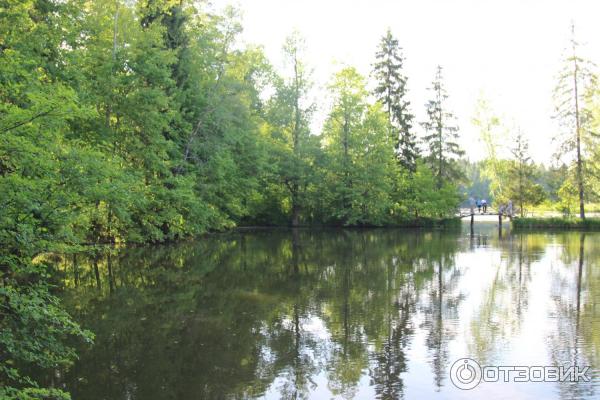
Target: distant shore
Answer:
[[588, 224]]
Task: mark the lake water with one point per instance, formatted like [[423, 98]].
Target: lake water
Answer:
[[335, 314]]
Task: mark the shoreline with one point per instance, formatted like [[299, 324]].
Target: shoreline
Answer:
[[556, 224]]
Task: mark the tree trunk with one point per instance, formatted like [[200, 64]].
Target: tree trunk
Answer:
[[440, 141], [521, 187], [578, 142], [296, 143], [522, 211], [345, 142]]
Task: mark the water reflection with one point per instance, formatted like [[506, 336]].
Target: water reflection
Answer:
[[333, 314]]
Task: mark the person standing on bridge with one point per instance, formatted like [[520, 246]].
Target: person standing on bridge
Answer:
[[479, 206], [484, 205]]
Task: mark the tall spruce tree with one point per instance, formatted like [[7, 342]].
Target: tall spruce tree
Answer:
[[441, 134], [391, 92]]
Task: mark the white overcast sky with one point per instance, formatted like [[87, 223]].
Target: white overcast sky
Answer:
[[509, 51]]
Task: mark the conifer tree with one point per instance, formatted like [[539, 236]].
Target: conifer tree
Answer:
[[441, 134], [575, 80], [391, 91]]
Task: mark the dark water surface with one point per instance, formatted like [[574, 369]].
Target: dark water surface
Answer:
[[324, 314]]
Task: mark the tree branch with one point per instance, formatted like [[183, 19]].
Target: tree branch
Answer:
[[40, 115]]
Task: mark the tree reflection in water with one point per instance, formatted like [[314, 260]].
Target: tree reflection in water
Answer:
[[299, 314]]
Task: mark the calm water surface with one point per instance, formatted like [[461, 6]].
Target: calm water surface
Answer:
[[334, 314]]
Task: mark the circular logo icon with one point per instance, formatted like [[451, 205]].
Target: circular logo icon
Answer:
[[465, 373]]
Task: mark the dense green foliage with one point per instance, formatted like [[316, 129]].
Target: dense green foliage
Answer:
[[359, 154], [125, 122]]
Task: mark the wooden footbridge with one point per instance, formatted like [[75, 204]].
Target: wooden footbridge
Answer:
[[467, 213]]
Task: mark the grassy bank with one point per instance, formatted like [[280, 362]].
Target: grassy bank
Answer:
[[590, 224]]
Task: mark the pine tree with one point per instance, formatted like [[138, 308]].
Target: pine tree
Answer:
[[570, 96], [391, 92], [442, 134]]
